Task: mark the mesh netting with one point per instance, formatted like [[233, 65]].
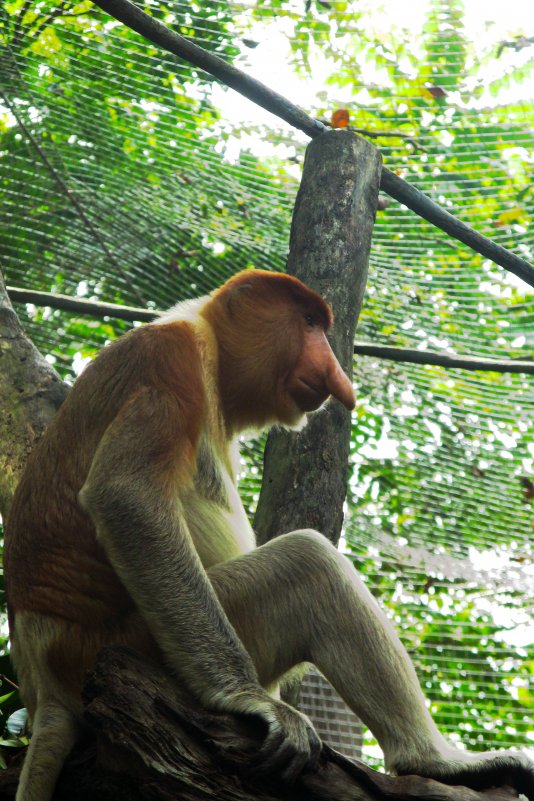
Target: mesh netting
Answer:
[[128, 176]]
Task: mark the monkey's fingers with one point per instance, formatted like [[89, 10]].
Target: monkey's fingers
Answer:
[[285, 755], [303, 762]]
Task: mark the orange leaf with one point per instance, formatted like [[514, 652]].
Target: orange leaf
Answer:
[[340, 118]]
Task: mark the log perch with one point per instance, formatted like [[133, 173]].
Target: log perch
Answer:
[[146, 741]]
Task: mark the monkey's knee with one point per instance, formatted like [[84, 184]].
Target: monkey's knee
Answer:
[[309, 539], [312, 547], [311, 559]]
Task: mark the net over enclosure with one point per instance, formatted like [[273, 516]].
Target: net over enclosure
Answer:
[[130, 177]]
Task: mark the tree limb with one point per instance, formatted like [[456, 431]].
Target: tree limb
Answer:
[[444, 359], [154, 744], [132, 314]]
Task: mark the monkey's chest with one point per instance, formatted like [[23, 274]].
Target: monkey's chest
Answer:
[[218, 522]]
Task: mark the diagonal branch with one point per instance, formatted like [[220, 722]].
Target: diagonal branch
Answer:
[[65, 189]]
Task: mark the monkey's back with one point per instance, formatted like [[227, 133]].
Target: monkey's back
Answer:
[[53, 562]]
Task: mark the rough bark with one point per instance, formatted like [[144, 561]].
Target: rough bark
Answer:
[[148, 743], [30, 394], [305, 473]]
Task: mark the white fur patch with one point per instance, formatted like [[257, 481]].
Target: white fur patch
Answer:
[[186, 310]]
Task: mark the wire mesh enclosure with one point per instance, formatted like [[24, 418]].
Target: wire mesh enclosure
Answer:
[[130, 177]]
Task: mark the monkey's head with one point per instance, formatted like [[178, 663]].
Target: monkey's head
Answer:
[[275, 362]]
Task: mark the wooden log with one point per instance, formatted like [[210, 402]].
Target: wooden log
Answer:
[[305, 473]]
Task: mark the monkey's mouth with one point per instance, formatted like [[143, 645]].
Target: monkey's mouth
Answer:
[[309, 387], [309, 396]]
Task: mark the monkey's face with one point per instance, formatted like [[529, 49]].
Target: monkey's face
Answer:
[[275, 362]]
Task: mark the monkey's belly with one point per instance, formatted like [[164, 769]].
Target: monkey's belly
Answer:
[[219, 533]]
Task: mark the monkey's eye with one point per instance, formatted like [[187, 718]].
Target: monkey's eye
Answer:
[[309, 320]]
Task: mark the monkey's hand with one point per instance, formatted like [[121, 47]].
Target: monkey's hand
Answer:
[[290, 744]]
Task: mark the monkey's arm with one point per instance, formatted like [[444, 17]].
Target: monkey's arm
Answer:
[[132, 494]]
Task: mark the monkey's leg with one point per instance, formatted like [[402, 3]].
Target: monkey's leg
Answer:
[[55, 730], [297, 599], [54, 710]]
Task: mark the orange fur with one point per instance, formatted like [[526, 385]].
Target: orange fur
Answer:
[[257, 318], [53, 563]]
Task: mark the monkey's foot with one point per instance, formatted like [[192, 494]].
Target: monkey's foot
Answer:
[[480, 771]]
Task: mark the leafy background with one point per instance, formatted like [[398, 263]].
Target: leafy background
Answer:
[[128, 176]]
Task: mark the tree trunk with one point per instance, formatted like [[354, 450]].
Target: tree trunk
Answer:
[[30, 394], [305, 473]]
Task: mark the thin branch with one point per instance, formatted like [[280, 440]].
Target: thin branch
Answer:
[[80, 306], [132, 314], [47, 20], [391, 134], [444, 359], [17, 30], [153, 30], [6, 680]]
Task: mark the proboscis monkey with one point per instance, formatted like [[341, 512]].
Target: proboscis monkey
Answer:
[[127, 528]]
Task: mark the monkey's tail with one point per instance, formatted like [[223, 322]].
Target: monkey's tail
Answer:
[[55, 730]]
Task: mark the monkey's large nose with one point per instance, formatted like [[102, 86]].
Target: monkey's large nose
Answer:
[[318, 374], [340, 386], [336, 381]]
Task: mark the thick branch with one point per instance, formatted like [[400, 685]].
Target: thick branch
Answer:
[[156, 32], [30, 393], [155, 745], [80, 305]]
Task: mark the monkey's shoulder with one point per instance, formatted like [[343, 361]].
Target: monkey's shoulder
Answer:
[[166, 357]]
